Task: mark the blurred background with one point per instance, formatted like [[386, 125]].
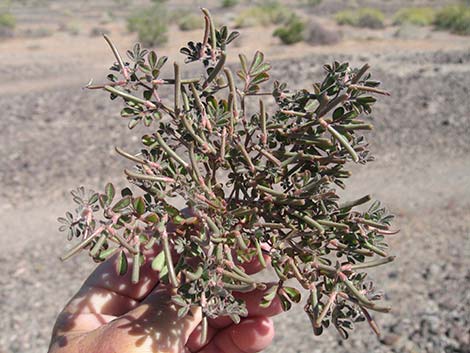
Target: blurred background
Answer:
[[55, 136]]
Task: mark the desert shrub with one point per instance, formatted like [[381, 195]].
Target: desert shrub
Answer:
[[98, 31], [229, 3], [454, 18], [292, 31], [419, 16], [264, 14], [190, 22], [71, 28], [310, 2], [40, 32], [364, 18], [316, 34], [151, 25], [7, 24], [247, 184]]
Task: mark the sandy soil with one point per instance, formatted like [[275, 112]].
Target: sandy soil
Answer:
[[55, 136]]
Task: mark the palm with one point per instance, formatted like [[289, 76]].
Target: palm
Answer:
[[108, 314]]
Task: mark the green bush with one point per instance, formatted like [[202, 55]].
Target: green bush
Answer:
[[267, 13], [7, 22], [151, 25], [70, 27], [190, 22], [454, 18], [229, 3], [310, 2], [419, 16], [292, 31], [364, 18]]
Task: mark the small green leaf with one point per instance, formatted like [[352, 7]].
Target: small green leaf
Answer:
[[110, 192], [243, 63], [158, 262], [133, 123], [261, 68], [161, 62], [293, 294], [178, 300], [152, 218], [121, 264], [106, 253], [285, 303], [338, 113], [257, 60], [232, 37], [183, 311], [121, 204], [139, 205], [269, 297], [172, 211], [126, 192], [152, 58]]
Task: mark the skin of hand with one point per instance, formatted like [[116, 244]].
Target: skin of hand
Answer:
[[111, 315]]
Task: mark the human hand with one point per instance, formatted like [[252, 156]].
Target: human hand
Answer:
[[110, 315]]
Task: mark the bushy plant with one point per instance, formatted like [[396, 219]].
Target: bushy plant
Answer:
[[264, 14], [229, 3], [364, 18], [454, 18], [151, 25], [70, 27], [190, 22], [316, 34], [418, 16], [292, 31], [39, 32], [311, 2], [259, 185], [7, 24]]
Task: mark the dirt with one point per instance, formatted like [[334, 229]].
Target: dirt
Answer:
[[55, 136]]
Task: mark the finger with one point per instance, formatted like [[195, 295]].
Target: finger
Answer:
[[195, 342], [249, 336], [252, 301], [106, 277]]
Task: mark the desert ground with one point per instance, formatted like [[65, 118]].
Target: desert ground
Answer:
[[55, 136]]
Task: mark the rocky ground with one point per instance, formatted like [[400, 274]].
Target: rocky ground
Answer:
[[54, 136]]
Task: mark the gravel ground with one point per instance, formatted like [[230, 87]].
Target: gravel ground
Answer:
[[51, 142]]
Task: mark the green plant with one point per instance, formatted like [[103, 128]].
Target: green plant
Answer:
[[364, 18], [259, 184], [151, 25], [229, 3], [70, 27], [419, 16], [454, 18], [292, 31], [7, 24], [40, 32], [264, 14], [311, 2], [190, 22]]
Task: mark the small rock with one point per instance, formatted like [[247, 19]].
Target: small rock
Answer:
[[390, 339]]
